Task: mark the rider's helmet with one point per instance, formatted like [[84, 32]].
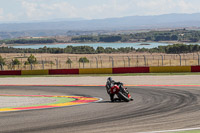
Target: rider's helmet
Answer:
[[109, 79]]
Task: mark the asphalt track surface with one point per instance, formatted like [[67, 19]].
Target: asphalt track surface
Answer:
[[153, 109]]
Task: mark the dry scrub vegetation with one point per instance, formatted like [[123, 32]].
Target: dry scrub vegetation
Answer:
[[58, 61]]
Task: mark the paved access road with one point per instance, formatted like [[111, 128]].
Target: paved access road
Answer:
[[153, 108]]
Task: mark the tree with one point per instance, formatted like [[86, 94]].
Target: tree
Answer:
[[69, 49], [69, 61], [32, 59], [52, 63], [26, 63], [2, 61], [194, 39], [100, 50], [174, 37], [16, 62], [109, 50], [110, 38], [83, 60]]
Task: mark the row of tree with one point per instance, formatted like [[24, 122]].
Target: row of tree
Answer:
[[172, 49], [173, 35], [176, 48], [29, 41], [101, 38], [33, 60], [30, 60], [68, 49], [181, 35]]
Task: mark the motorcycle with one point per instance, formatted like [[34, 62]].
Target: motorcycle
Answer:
[[117, 88]]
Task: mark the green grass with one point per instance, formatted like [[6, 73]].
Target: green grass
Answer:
[[59, 100], [101, 75], [193, 131]]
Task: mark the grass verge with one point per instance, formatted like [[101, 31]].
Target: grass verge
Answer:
[[193, 131]]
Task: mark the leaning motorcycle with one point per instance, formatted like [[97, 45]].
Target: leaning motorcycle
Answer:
[[121, 92]]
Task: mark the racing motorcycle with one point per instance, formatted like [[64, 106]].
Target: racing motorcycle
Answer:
[[117, 88]]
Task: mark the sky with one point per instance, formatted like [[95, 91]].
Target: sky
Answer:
[[40, 10]]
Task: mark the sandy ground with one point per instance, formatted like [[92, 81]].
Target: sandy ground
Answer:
[[23, 101], [95, 80]]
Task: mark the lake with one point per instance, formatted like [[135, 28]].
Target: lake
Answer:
[[95, 45]]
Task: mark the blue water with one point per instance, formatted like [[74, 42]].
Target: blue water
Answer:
[[95, 45]]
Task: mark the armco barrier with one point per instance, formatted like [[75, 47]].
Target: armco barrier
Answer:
[[95, 71], [35, 72], [13, 72], [195, 69], [169, 69], [131, 70], [63, 71]]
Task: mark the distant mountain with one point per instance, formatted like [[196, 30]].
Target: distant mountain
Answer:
[[124, 23], [41, 21]]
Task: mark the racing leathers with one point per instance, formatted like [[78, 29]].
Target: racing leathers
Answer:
[[109, 90]]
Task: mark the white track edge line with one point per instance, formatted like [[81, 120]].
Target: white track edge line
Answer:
[[176, 130]]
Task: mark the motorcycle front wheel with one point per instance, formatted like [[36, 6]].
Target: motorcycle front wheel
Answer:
[[123, 96]]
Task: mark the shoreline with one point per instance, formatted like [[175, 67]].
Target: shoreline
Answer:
[[168, 42]]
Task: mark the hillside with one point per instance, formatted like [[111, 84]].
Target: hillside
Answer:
[[10, 30]]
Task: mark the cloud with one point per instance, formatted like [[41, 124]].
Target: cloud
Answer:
[[91, 9], [112, 8], [48, 10], [155, 7], [39, 9], [120, 8], [64, 9]]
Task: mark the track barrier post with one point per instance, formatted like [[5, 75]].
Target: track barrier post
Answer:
[[162, 59], [96, 62], [31, 66], [112, 61], [56, 63], [180, 59], [1, 66], [129, 64], [42, 64], [144, 60], [124, 62]]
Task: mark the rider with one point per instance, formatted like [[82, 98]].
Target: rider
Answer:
[[112, 83]]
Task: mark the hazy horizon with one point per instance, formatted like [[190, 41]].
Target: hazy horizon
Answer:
[[47, 10], [81, 19]]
